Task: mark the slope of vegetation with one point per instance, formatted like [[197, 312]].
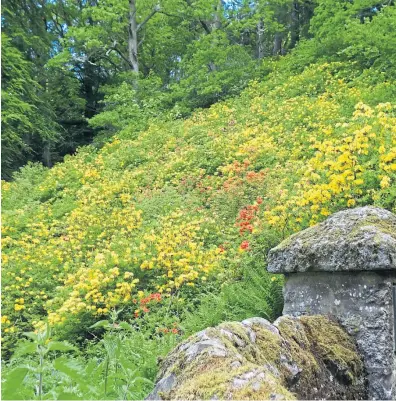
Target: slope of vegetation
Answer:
[[122, 251]]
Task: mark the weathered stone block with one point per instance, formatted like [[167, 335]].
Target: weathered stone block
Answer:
[[294, 358], [355, 239], [345, 268]]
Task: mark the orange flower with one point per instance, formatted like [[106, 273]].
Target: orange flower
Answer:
[[245, 245]]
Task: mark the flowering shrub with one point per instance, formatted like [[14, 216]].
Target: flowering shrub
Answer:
[[176, 211], [178, 254]]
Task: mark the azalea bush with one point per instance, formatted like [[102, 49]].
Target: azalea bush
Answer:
[[173, 223]]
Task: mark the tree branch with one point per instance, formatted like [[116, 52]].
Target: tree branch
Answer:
[[120, 54], [169, 14], [205, 26], [155, 10]]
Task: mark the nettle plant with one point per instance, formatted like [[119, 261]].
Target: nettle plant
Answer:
[[43, 368], [39, 356]]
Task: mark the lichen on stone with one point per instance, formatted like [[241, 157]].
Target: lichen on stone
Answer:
[[358, 239], [295, 358]]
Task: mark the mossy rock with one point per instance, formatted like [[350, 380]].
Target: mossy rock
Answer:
[[295, 358], [359, 239]]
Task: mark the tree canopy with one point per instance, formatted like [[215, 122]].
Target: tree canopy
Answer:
[[83, 70]]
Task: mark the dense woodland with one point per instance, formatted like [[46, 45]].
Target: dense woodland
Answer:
[[154, 151], [74, 71]]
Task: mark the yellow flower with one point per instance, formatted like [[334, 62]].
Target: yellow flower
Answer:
[[4, 319], [385, 182], [351, 202]]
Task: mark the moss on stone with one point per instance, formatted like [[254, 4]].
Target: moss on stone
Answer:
[[382, 226], [237, 330], [268, 346], [268, 389], [310, 236], [220, 380], [353, 239], [259, 363], [333, 345], [323, 350]]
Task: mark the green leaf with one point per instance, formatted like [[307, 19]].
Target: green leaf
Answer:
[[60, 346], [101, 323], [142, 379], [90, 366], [70, 367], [24, 349], [31, 335], [13, 381], [126, 326], [68, 396]]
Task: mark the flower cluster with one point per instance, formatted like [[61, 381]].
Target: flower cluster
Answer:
[[145, 302], [179, 255], [247, 215], [163, 213]]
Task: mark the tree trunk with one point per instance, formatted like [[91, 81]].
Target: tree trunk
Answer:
[[88, 83], [217, 16], [260, 39], [306, 13], [295, 25], [277, 49], [47, 154], [132, 37]]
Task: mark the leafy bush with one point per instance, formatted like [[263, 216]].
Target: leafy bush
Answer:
[[254, 294], [154, 229], [94, 234], [122, 365]]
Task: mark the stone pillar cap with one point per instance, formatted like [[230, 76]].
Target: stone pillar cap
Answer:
[[360, 239]]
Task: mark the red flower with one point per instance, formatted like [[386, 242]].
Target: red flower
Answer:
[[245, 245], [250, 175], [152, 297]]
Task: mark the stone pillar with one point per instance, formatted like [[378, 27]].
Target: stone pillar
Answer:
[[345, 268]]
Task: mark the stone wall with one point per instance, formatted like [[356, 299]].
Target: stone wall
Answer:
[[294, 358], [345, 268], [362, 303]]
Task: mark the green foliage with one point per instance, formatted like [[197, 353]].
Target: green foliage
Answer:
[[41, 346], [253, 294], [128, 106], [26, 119], [122, 365], [156, 232], [213, 69], [355, 31], [189, 55]]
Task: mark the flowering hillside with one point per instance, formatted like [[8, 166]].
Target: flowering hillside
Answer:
[[146, 225]]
